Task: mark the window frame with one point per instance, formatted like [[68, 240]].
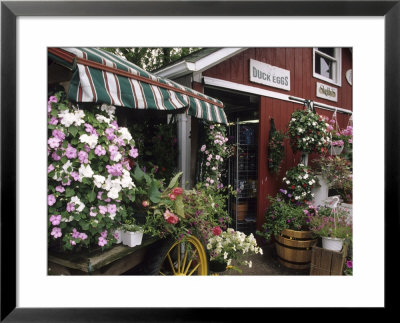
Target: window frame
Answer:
[[337, 70]]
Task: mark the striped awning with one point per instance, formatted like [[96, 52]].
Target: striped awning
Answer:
[[102, 77]]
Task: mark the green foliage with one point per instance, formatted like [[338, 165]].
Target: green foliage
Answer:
[[152, 58], [282, 215], [158, 147], [276, 150], [334, 223]]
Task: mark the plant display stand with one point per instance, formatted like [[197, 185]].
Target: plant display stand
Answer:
[[327, 262]]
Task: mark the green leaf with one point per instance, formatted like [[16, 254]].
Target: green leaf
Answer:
[[84, 225], [64, 160], [179, 206], [174, 180], [138, 173], [69, 192], [91, 154], [73, 130], [91, 196], [154, 193]]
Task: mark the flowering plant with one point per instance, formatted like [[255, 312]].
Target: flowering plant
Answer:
[[230, 245], [340, 137], [334, 223], [89, 181], [282, 215], [179, 213], [299, 181], [338, 173], [308, 132], [348, 270], [276, 150], [213, 154]]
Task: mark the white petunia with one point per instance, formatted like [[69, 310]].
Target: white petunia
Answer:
[[85, 171], [124, 133], [98, 180], [90, 140]]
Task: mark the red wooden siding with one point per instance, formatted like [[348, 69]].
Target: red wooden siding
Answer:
[[300, 63]]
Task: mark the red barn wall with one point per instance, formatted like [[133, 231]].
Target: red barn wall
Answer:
[[299, 61]]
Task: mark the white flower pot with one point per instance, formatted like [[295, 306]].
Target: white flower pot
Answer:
[[334, 244], [336, 150], [320, 192], [132, 239]]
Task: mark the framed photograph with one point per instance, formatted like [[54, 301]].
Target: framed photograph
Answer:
[[29, 28]]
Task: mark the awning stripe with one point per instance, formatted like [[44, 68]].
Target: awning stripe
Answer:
[[100, 76]]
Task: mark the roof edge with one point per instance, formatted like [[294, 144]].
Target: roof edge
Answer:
[[184, 67]]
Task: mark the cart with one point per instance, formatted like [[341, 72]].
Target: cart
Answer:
[[89, 75], [153, 257]]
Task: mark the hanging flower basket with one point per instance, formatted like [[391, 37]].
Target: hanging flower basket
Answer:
[[308, 132], [335, 150], [276, 149]]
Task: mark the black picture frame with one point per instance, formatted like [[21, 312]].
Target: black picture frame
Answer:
[[10, 10]]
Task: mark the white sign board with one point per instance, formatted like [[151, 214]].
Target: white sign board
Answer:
[[269, 75], [327, 92]]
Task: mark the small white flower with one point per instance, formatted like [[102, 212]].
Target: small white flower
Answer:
[[98, 180], [90, 140], [85, 171]]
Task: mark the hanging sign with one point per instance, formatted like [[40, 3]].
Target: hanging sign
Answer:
[[327, 92], [269, 75]]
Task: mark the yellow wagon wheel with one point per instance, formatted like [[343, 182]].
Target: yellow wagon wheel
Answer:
[[186, 257]]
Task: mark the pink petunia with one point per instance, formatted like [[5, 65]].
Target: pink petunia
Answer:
[[54, 142], [51, 199], [133, 152], [60, 189], [55, 219], [56, 232], [102, 242]]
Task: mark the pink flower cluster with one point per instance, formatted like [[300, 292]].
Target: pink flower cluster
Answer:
[[102, 239], [170, 217]]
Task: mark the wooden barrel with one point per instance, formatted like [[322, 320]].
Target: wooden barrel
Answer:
[[242, 208], [294, 248]]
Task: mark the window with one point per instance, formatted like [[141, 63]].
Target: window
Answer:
[[327, 64]]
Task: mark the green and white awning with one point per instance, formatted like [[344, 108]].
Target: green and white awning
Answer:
[[102, 77]]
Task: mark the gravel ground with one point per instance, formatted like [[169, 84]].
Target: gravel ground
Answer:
[[265, 264]]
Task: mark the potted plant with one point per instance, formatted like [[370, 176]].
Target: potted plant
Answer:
[[332, 225], [132, 234], [299, 181], [288, 223], [276, 149], [337, 172], [227, 246], [308, 132]]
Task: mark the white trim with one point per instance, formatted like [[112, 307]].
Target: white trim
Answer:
[[337, 70], [202, 64], [271, 94]]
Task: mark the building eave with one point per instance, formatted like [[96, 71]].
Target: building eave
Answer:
[[184, 67]]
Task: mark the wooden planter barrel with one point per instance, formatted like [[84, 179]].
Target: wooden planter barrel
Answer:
[[294, 248], [242, 209]]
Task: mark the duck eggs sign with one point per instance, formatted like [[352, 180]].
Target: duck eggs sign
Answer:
[[269, 75]]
